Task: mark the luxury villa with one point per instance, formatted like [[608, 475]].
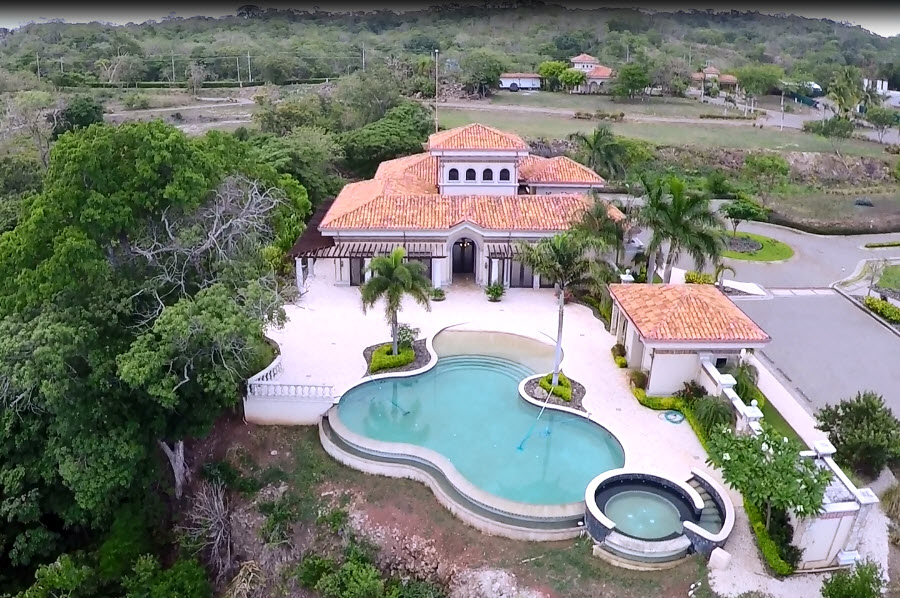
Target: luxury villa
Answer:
[[596, 75], [710, 76], [460, 208]]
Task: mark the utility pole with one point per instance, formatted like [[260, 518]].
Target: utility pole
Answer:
[[628, 52], [364, 56], [237, 60], [782, 110], [173, 68], [249, 72], [37, 59], [436, 90], [61, 64]]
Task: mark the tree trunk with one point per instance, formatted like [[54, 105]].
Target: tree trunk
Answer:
[[557, 357], [651, 266], [768, 514], [179, 467], [670, 262], [394, 331]]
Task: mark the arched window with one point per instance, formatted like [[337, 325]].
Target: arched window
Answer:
[[470, 174], [504, 174], [453, 174], [487, 175]]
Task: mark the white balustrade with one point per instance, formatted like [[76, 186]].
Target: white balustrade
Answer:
[[263, 386]]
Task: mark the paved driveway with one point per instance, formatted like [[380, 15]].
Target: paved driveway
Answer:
[[827, 348]]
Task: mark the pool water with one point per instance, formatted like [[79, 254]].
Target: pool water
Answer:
[[644, 515], [468, 409]]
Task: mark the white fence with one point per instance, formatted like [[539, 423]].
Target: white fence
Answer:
[[272, 402]]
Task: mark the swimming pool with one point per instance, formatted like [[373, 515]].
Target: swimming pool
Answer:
[[467, 408]]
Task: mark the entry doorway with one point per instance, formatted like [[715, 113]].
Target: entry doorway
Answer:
[[464, 256]]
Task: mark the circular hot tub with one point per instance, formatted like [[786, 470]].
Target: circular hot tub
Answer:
[[644, 510]]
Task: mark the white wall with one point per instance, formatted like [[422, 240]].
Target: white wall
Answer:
[[522, 82], [285, 412], [584, 66], [479, 186], [670, 372], [553, 189]]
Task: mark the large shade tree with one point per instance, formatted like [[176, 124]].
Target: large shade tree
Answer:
[[393, 279], [561, 259], [681, 221]]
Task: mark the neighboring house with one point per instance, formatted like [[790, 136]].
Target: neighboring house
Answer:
[[460, 208], [711, 76], [596, 75], [517, 81], [667, 328]]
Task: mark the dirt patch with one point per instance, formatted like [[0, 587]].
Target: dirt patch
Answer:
[[533, 389], [421, 360], [743, 245]]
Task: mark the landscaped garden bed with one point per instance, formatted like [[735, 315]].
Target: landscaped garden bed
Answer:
[[534, 390], [420, 357], [757, 248]]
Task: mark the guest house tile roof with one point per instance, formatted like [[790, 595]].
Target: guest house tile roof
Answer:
[[584, 58], [727, 79], [559, 171], [475, 137], [599, 72], [685, 313], [520, 75]]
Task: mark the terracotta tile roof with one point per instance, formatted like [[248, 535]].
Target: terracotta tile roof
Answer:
[[727, 79], [685, 312], [599, 72], [475, 136], [584, 58], [711, 70], [520, 75], [423, 166], [558, 170], [439, 212], [698, 76]]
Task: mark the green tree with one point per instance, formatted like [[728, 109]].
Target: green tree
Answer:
[[367, 96], [184, 579], [632, 80], [309, 154], [740, 210], [837, 130], [34, 113], [560, 258], [846, 91], [401, 132], [682, 221], [882, 119], [865, 580], [766, 171], [81, 111], [571, 78], [769, 471], [481, 71], [600, 230], [277, 68], [21, 174], [550, 70], [310, 110], [758, 79], [392, 280], [864, 431], [602, 151]]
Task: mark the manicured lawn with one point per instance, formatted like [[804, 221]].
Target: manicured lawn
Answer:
[[890, 278], [778, 423], [771, 251], [663, 133], [591, 103]]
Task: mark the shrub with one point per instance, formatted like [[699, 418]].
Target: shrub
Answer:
[[657, 403], [416, 589], [382, 359], [864, 430], [127, 539], [745, 376], [313, 568], [406, 335], [621, 362], [690, 392], [883, 243], [692, 277], [890, 502], [638, 379], [563, 389], [136, 101], [494, 291], [438, 294], [883, 308], [865, 580], [618, 350], [767, 546], [352, 580], [230, 477], [712, 413]]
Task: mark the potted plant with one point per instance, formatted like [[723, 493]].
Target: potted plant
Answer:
[[494, 291], [438, 295]]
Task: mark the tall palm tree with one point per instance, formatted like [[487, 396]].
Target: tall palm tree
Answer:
[[391, 280], [719, 274], [682, 221], [846, 91], [604, 153], [599, 230], [560, 258]]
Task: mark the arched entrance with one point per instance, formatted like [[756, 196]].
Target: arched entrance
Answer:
[[463, 257]]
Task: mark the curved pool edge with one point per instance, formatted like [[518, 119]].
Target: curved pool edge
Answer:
[[486, 522]]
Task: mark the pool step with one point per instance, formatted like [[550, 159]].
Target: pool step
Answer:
[[710, 517], [485, 362]]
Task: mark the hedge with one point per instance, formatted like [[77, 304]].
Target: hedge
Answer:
[[692, 277], [563, 389], [672, 404], [383, 360], [882, 244], [883, 308], [727, 116], [767, 545], [621, 361]]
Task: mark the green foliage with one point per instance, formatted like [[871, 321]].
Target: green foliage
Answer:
[[438, 294], [184, 579], [864, 431], [277, 68], [81, 111], [494, 291], [309, 110], [64, 577], [618, 350], [571, 78], [693, 277], [883, 308], [136, 101], [416, 589], [638, 379], [550, 71], [631, 80], [127, 539], [352, 580], [746, 376], [770, 550], [406, 335], [766, 171], [334, 519], [481, 71], [890, 502], [620, 361], [882, 119], [368, 96], [601, 151], [690, 392], [883, 243], [769, 471], [713, 413], [865, 580], [836, 130], [313, 568], [308, 153], [383, 359], [657, 403], [231, 477], [739, 210], [401, 132], [563, 389], [759, 79]]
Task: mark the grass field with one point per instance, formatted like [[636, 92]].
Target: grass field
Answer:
[[663, 133], [591, 103], [771, 251], [890, 278], [778, 423]]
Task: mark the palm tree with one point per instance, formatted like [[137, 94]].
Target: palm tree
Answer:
[[561, 259], [605, 154], [683, 221], [846, 91], [599, 230], [719, 274], [392, 278]]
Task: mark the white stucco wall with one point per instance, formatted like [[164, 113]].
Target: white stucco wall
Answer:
[[670, 372], [522, 82], [479, 186]]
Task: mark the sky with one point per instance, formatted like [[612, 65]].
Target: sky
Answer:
[[875, 18]]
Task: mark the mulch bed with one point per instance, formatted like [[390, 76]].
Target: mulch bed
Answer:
[[743, 245], [733, 291], [422, 358], [539, 394]]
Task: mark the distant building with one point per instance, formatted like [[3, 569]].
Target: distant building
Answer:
[[712, 76], [517, 81], [596, 75]]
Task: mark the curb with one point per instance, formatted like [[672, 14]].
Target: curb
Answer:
[[856, 303]]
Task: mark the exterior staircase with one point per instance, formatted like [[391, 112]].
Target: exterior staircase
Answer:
[[710, 517]]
